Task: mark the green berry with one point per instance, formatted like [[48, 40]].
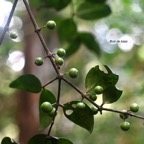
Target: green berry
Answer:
[[50, 24], [39, 61], [52, 113], [59, 61], [61, 52], [73, 72], [134, 107], [122, 115], [13, 35], [125, 126], [46, 107], [93, 97], [80, 105], [94, 110], [98, 89]]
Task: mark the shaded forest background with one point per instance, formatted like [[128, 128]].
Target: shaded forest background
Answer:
[[19, 110]]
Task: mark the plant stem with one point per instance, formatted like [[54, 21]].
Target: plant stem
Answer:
[[8, 21]]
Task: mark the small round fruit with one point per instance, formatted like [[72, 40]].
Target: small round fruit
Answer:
[[123, 116], [50, 24], [98, 89], [59, 61], [134, 107], [73, 72], [80, 105], [52, 113], [125, 126], [46, 107], [61, 52], [94, 110], [93, 97], [13, 35], [39, 61]]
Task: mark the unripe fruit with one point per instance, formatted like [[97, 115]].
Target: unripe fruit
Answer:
[[98, 89], [134, 107], [61, 52], [123, 116], [93, 97], [46, 107], [13, 35], [39, 61], [125, 126], [73, 72], [80, 105], [50, 24], [94, 110], [59, 61], [52, 113]]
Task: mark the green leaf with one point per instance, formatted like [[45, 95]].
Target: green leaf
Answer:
[[45, 119], [111, 94], [73, 47], [67, 29], [56, 4], [35, 3], [107, 80], [27, 82], [89, 41], [91, 11], [8, 140], [97, 77], [81, 117], [43, 139]]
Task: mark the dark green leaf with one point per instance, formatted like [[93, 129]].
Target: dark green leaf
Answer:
[[97, 77], [45, 119], [27, 82], [89, 41], [73, 46], [8, 140], [43, 139], [91, 11], [56, 4], [35, 3], [111, 94], [81, 117], [67, 29]]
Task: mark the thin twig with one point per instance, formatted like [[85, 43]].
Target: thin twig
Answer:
[[8, 21], [50, 82]]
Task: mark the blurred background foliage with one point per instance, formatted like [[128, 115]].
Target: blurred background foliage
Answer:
[[126, 59]]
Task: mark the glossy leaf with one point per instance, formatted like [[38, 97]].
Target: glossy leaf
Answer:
[[91, 11], [111, 94], [45, 119], [56, 4], [8, 140], [81, 117], [107, 80], [67, 29], [43, 139], [89, 41], [73, 46], [27, 82]]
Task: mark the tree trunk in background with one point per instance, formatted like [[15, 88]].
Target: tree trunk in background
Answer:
[[28, 120]]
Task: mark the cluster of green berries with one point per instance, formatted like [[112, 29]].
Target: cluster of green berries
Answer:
[[47, 107], [81, 105], [125, 126], [97, 90]]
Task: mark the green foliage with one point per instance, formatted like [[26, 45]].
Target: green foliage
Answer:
[[45, 119], [43, 139], [82, 117], [27, 82], [7, 140], [91, 11], [96, 77]]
